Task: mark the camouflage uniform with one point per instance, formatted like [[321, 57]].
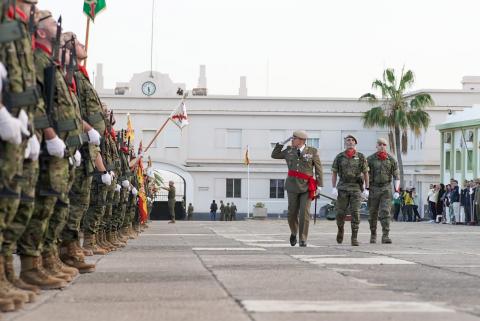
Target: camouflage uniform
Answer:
[[304, 162], [350, 187], [56, 174], [121, 208], [171, 202], [380, 197]]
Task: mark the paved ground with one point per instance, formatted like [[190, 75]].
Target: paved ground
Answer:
[[247, 271]]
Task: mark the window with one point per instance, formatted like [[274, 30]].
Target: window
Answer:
[[277, 189], [458, 161], [313, 142], [234, 138], [470, 160], [448, 138], [447, 160], [234, 188]]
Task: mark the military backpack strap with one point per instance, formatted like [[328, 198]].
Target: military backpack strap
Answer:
[[10, 30]]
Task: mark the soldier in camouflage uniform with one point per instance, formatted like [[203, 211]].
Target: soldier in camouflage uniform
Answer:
[[382, 167], [351, 166], [228, 212], [171, 200], [301, 186]]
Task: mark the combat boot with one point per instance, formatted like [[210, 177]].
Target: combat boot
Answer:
[[385, 238], [73, 272], [120, 238], [113, 239], [8, 291], [73, 258], [7, 305], [340, 234], [373, 235], [89, 243], [99, 242], [17, 282], [105, 241], [131, 232], [354, 237], [33, 273], [50, 266]]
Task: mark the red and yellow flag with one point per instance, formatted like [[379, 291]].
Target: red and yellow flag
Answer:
[[142, 197]]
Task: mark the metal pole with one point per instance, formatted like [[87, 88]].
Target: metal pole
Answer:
[[151, 40], [87, 33], [248, 189]]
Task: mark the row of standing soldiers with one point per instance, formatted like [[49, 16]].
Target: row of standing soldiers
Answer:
[[63, 168]]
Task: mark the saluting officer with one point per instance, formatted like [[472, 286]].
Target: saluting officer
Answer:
[[301, 185], [382, 167], [351, 166]]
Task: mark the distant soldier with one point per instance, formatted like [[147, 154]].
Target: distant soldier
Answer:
[[233, 212], [190, 212], [382, 167], [213, 211], [171, 200], [227, 212], [222, 211], [351, 166], [301, 185]]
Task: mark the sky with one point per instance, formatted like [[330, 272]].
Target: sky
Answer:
[[289, 48]]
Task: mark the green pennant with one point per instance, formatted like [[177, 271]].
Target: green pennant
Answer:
[[92, 7]]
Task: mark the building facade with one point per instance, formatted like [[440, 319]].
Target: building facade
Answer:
[[208, 154]]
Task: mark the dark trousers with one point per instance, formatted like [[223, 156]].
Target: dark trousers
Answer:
[[396, 211], [417, 214], [433, 210]]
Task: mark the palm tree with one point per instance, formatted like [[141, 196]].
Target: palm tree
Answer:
[[397, 112]]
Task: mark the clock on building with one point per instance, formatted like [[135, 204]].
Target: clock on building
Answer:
[[148, 88]]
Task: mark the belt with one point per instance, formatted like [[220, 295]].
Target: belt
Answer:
[[41, 122], [26, 98], [10, 31], [312, 183], [67, 125], [77, 140]]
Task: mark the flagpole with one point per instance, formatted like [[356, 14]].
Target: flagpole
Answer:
[[87, 33], [248, 185], [156, 134]]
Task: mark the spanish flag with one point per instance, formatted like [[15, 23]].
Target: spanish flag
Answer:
[[129, 135], [246, 159]]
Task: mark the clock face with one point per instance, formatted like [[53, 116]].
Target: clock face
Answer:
[[148, 88]]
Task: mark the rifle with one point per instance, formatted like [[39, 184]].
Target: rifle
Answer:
[[31, 21], [50, 76], [315, 212], [71, 64]]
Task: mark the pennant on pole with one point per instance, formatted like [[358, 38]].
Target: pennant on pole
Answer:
[[179, 115], [92, 7], [129, 135]]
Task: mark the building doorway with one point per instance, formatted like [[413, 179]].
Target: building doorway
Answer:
[[160, 206]]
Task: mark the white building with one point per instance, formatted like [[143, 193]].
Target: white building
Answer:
[[208, 154]]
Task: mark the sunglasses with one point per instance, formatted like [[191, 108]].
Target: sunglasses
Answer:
[[382, 144]]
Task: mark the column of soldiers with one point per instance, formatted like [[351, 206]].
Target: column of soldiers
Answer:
[[63, 168]]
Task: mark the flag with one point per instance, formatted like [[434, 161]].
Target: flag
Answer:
[[92, 7], [140, 150], [129, 135], [142, 198], [246, 159], [179, 115]]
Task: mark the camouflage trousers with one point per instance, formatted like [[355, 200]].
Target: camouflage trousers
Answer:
[[53, 178], [96, 210], [79, 200], [131, 210], [120, 209], [171, 209], [299, 214], [379, 207], [349, 202], [106, 220], [59, 218], [17, 226], [11, 167]]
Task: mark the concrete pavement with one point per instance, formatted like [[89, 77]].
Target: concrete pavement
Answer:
[[246, 270]]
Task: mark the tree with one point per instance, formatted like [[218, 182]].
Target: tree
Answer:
[[397, 112]]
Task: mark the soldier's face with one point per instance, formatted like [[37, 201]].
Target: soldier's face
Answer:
[[381, 147], [81, 53], [350, 143], [297, 142]]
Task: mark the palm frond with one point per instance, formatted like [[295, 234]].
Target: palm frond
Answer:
[[371, 98], [404, 142], [421, 101], [406, 81], [375, 117], [390, 76]]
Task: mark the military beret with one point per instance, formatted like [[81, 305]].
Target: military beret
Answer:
[[42, 15], [300, 134], [66, 37], [352, 137], [29, 1], [382, 140]]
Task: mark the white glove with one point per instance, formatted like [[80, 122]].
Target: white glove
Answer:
[[286, 140], [471, 191], [10, 127], [23, 118], [112, 173], [396, 195], [118, 188], [33, 148], [3, 75], [125, 183], [334, 192], [134, 191], [94, 137], [56, 147], [78, 158], [319, 189], [107, 179], [365, 193]]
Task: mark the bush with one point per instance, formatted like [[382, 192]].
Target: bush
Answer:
[[259, 205]]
